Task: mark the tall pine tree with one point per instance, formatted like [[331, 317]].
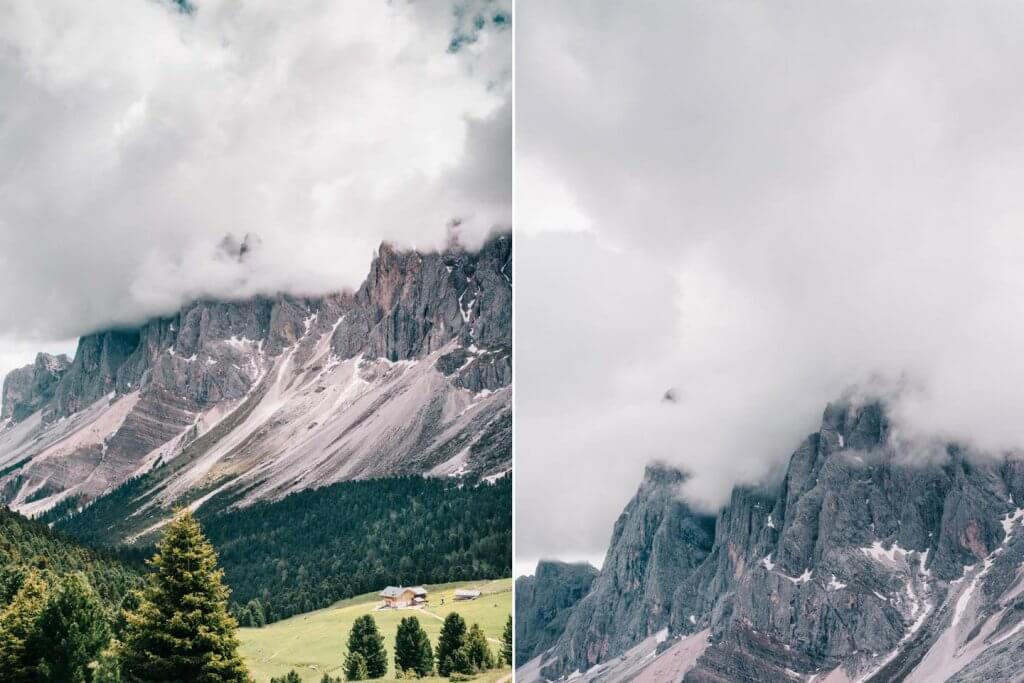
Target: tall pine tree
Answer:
[[181, 630], [477, 649], [412, 648], [450, 653], [355, 666], [19, 625], [506, 642], [366, 640], [73, 630]]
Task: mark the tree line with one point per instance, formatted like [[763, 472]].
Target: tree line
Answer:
[[27, 545], [315, 547], [460, 652], [174, 626]]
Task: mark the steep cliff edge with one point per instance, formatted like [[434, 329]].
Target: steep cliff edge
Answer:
[[544, 602]]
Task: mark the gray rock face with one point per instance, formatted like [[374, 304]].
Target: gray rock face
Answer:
[[28, 389], [544, 602], [872, 560], [657, 543], [411, 373]]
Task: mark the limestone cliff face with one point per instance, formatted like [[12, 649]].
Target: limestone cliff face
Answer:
[[544, 602], [657, 543], [411, 373], [28, 389], [869, 561]]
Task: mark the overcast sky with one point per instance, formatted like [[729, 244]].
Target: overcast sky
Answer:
[[758, 205], [134, 136]]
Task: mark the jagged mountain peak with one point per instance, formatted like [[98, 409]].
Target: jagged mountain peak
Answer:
[[410, 373], [864, 563]]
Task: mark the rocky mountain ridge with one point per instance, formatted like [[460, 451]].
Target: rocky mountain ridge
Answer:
[[411, 373], [873, 560], [544, 602]]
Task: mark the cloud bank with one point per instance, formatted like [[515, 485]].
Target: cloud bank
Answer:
[[758, 207], [135, 136]]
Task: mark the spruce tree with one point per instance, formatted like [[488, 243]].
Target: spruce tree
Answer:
[[73, 631], [19, 626], [181, 630], [259, 619], [478, 651], [412, 648], [355, 666], [365, 639], [450, 645], [108, 666], [506, 642], [11, 580]]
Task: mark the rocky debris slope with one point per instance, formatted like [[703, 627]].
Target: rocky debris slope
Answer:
[[411, 373], [544, 602], [873, 560]]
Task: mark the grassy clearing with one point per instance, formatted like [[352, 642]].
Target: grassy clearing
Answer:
[[314, 643]]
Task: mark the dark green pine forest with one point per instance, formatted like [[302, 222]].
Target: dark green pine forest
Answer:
[[315, 547], [27, 545]]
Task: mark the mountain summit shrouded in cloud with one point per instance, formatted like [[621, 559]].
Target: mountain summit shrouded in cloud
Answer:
[[136, 135], [761, 206]]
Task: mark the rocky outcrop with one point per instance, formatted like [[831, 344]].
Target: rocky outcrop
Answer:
[[657, 543], [873, 559], [410, 306], [544, 602], [411, 373], [28, 389]]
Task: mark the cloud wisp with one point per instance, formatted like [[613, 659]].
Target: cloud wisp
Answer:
[[135, 136], [759, 208]]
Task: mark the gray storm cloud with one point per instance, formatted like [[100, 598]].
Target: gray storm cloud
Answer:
[[135, 136], [759, 207]]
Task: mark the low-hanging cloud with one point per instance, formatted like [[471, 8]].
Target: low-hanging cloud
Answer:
[[771, 204], [135, 136]]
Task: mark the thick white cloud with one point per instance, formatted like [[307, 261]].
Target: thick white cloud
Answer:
[[777, 202], [135, 136]]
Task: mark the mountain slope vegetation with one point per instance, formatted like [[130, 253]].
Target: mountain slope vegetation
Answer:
[[27, 544], [315, 547]]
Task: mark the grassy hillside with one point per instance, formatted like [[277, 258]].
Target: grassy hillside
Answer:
[[26, 543], [314, 643]]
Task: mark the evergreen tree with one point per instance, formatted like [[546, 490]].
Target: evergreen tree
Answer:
[[108, 666], [355, 666], [181, 630], [458, 663], [290, 677], [255, 608], [19, 625], [412, 648], [129, 603], [506, 642], [450, 645], [11, 580], [365, 639], [72, 633], [478, 651]]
